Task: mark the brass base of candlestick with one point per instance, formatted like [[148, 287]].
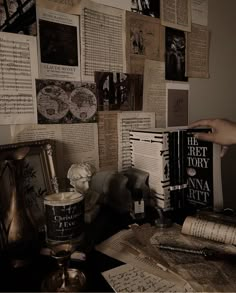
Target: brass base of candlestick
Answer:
[[73, 281]]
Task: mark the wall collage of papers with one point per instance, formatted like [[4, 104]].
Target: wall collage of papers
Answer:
[[84, 73]]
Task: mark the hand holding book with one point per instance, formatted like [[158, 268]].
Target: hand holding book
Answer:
[[223, 131]]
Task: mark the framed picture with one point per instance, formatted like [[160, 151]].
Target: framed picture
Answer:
[[27, 167]]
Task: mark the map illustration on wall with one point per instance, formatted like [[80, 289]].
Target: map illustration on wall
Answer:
[[65, 102]]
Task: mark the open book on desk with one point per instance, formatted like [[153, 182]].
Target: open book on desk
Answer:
[[216, 274], [212, 228]]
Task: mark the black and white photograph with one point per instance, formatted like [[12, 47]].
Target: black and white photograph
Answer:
[[119, 91], [146, 7], [18, 16], [62, 102], [175, 54], [58, 43]]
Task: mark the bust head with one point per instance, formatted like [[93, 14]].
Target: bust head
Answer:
[[80, 175]]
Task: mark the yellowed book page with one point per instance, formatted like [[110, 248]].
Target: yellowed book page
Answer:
[[200, 12], [108, 140], [127, 121], [144, 40], [209, 229], [65, 6], [154, 91], [74, 143], [176, 14], [198, 52]]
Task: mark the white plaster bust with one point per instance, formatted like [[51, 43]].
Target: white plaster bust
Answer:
[[80, 175]]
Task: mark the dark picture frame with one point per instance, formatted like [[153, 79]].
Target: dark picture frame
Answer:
[[38, 176]]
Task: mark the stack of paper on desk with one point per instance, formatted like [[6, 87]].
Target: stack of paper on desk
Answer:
[[139, 247], [118, 248]]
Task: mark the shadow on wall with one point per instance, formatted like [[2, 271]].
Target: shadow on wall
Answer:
[[229, 178]]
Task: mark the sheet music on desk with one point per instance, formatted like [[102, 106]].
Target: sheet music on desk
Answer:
[[127, 278]]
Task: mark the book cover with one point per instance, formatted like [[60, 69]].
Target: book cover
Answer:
[[184, 173], [178, 165], [203, 172]]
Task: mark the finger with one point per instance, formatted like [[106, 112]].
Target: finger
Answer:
[[199, 123], [224, 150], [205, 136]]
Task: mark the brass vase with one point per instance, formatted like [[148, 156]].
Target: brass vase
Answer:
[[18, 233]]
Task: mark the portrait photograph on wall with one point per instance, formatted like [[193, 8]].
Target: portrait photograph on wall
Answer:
[[146, 7], [175, 54], [58, 43], [119, 91]]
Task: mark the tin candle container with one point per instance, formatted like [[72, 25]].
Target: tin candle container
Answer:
[[64, 217]]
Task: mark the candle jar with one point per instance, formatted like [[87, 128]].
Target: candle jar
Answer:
[[64, 218]]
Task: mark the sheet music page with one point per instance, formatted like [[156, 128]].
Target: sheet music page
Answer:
[[154, 91], [197, 61], [127, 121], [102, 49], [176, 14], [74, 143], [127, 278], [108, 140], [19, 68], [58, 45], [144, 40], [210, 229], [200, 12]]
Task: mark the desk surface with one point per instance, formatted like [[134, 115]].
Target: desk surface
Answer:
[[29, 279]]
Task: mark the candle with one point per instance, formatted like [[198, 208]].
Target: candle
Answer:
[[64, 213]]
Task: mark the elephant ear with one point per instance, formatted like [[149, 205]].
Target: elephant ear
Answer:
[[117, 195], [20, 153]]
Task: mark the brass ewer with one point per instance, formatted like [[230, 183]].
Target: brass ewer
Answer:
[[18, 233]]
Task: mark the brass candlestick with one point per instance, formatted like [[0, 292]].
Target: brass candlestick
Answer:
[[64, 279]]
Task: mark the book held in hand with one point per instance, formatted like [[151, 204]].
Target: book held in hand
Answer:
[[184, 173]]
